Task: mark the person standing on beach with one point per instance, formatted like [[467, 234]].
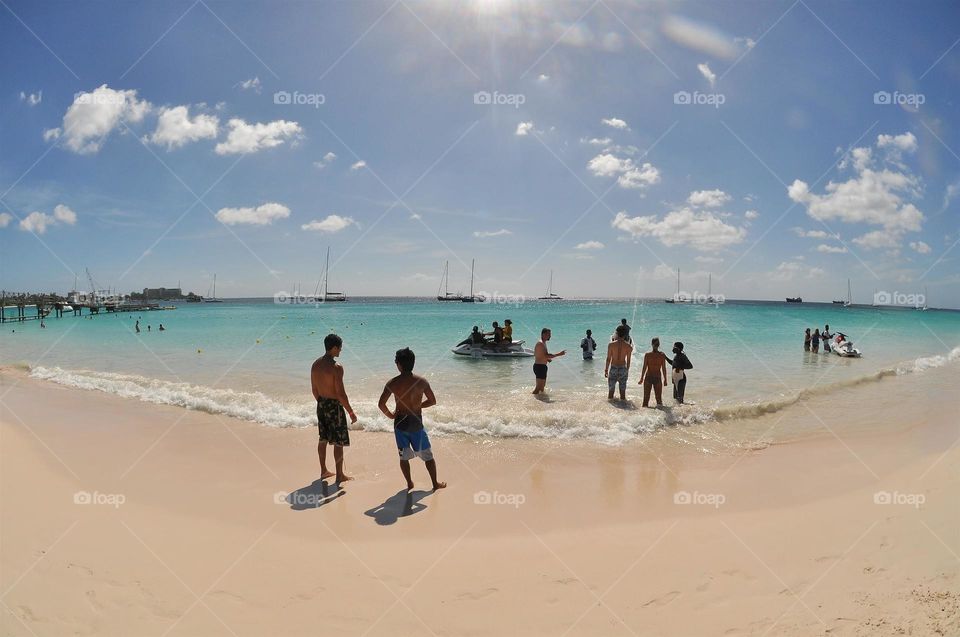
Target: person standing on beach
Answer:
[[411, 394], [618, 364], [680, 364], [806, 340], [815, 340], [589, 346], [654, 366], [326, 380], [541, 358]]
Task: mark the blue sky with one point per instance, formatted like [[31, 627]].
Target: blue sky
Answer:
[[145, 141]]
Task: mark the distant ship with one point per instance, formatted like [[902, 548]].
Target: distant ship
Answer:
[[444, 285], [550, 296], [472, 299], [795, 299], [327, 295], [213, 297]]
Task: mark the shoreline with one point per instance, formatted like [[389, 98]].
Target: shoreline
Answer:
[[797, 546]]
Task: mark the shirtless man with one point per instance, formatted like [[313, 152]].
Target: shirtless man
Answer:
[[541, 358], [326, 380], [654, 366], [411, 395], [618, 363]]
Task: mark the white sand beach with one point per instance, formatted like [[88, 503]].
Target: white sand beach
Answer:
[[181, 528]]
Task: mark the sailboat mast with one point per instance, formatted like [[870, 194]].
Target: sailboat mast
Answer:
[[446, 279], [472, 261], [326, 273]]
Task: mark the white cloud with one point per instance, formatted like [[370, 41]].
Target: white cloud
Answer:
[[748, 43], [253, 84], [950, 194], [93, 116], [524, 128], [5, 219], [245, 138], [707, 74], [38, 222], [699, 36], [828, 249], [751, 215], [415, 216], [789, 270], [874, 196], [358, 165], [615, 122], [811, 234], [543, 77], [31, 98], [175, 128], [920, 247], [51, 134], [703, 231], [706, 259], [629, 174], [326, 160], [589, 245], [484, 234], [331, 224], [708, 198], [262, 215], [596, 141]]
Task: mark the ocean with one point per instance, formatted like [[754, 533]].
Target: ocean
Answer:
[[250, 358]]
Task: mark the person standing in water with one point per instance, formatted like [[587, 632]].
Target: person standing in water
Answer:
[[680, 364], [806, 340], [411, 394], [654, 367], [618, 364], [825, 336], [326, 380], [815, 340], [589, 346], [626, 336], [541, 358]]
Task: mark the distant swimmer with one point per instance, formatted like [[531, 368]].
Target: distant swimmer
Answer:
[[162, 328], [680, 364], [589, 346], [541, 358], [654, 367], [618, 364], [411, 394], [326, 380], [148, 328], [137, 326]]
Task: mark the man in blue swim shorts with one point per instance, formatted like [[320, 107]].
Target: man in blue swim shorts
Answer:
[[411, 394]]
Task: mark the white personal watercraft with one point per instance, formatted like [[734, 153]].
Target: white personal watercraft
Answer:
[[490, 350], [844, 347]]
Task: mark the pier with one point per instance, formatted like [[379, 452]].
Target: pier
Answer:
[[40, 309]]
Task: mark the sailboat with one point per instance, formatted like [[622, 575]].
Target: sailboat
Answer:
[[848, 301], [677, 298], [923, 308], [472, 298], [550, 296], [444, 285], [213, 296], [328, 296], [710, 298]]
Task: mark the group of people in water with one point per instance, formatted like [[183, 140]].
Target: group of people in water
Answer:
[[653, 372], [811, 342]]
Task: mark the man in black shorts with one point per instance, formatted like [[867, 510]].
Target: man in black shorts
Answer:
[[541, 358], [326, 380]]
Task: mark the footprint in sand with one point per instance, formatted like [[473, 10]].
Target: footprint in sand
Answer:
[[663, 600], [475, 595]]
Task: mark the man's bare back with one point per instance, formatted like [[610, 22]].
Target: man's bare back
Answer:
[[619, 352], [408, 391], [655, 363], [326, 376]]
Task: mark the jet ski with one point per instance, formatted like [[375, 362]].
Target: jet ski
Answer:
[[514, 349], [841, 346]]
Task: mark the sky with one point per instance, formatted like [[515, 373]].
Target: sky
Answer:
[[777, 147]]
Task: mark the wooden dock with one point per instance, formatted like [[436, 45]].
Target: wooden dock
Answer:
[[40, 310]]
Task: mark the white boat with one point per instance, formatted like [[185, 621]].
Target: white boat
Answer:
[[677, 298], [213, 297], [329, 296], [844, 347], [472, 298], [489, 350], [445, 286], [550, 296], [923, 308], [849, 300]]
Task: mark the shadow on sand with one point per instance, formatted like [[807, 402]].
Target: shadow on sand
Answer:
[[314, 495], [400, 505]]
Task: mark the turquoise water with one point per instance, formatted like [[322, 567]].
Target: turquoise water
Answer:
[[251, 358]]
